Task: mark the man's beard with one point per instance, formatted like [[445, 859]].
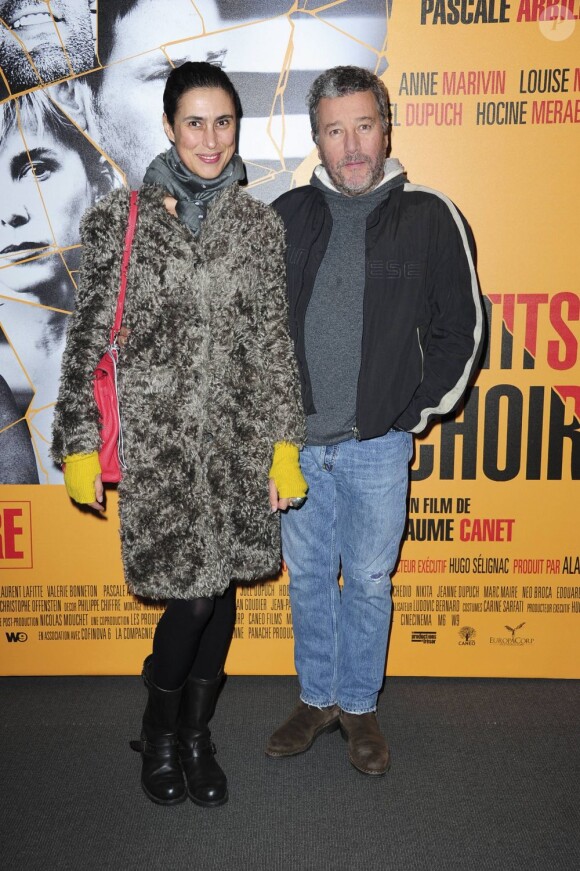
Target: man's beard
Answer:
[[364, 185], [49, 59]]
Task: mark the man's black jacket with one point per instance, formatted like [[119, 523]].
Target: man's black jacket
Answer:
[[422, 318]]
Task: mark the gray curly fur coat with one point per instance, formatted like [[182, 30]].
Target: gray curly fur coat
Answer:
[[207, 384]]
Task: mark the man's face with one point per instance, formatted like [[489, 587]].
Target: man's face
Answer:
[[33, 34], [130, 97], [351, 143]]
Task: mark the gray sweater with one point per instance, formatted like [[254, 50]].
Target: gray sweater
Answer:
[[334, 318]]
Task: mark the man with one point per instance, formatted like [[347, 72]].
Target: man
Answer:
[[41, 42], [386, 318]]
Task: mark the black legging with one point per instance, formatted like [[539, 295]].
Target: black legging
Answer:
[[193, 637]]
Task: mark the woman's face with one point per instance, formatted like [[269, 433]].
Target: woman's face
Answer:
[[45, 192], [204, 130]]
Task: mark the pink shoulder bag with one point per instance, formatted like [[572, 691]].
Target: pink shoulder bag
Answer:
[[111, 456]]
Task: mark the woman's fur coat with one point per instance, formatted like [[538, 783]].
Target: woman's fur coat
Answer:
[[207, 385]]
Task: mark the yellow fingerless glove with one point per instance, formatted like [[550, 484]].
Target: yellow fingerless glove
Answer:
[[80, 472], [286, 472]]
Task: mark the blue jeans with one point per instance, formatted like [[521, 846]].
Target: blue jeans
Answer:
[[354, 518]]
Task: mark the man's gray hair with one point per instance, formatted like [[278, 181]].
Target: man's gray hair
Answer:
[[342, 81]]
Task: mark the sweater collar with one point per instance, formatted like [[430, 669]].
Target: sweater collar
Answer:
[[394, 175]]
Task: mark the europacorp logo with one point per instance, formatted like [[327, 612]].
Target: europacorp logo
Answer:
[[513, 637]]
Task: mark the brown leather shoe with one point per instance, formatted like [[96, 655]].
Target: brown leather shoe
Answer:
[[301, 729], [367, 749]]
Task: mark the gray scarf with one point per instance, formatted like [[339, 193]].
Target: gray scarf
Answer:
[[192, 192]]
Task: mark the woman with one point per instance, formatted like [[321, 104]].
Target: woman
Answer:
[[207, 386], [49, 176]]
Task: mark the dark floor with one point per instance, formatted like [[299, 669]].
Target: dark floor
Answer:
[[485, 775]]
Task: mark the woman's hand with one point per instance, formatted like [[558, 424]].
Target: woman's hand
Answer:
[[97, 505], [83, 480], [276, 504], [286, 476]]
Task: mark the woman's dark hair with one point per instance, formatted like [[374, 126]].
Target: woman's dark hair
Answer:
[[196, 74]]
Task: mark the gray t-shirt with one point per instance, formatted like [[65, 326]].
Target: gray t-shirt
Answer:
[[334, 318]]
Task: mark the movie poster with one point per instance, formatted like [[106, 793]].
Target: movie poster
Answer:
[[486, 102]]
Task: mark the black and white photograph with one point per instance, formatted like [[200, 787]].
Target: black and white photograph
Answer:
[[88, 121]]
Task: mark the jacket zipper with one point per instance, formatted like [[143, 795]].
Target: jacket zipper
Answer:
[[421, 352]]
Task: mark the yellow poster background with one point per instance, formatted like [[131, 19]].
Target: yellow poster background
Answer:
[[517, 185], [488, 582]]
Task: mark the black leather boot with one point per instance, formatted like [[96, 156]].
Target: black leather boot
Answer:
[[206, 782], [162, 774]]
